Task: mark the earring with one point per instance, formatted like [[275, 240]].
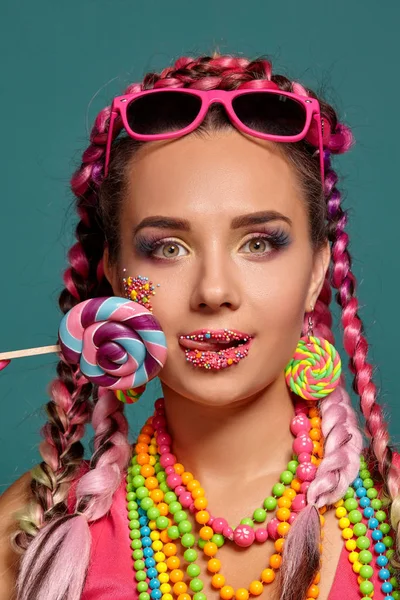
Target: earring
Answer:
[[138, 289], [314, 371]]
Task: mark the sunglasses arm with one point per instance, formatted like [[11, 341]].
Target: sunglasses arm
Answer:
[[318, 119]]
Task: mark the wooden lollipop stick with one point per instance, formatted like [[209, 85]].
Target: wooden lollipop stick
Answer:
[[29, 352]]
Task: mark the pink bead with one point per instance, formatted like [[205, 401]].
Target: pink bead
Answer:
[[174, 480], [159, 422], [304, 487], [244, 536], [185, 499], [292, 518], [165, 450], [306, 472], [261, 535], [159, 404], [179, 490], [164, 439], [298, 503], [219, 525], [167, 459], [272, 529], [210, 521], [300, 406], [228, 532], [170, 470], [192, 508], [302, 444], [300, 424], [304, 457]]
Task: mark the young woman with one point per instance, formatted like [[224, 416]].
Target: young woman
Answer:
[[252, 478]]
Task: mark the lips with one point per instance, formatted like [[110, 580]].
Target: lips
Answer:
[[218, 339]]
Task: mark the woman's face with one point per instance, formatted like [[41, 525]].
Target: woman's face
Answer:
[[216, 268]]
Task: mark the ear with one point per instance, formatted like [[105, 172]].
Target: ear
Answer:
[[110, 271], [320, 267]]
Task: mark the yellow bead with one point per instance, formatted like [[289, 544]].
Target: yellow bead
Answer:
[[353, 556], [163, 577], [161, 567], [167, 597], [344, 523], [165, 588], [152, 450], [152, 461], [154, 535], [159, 556], [339, 503], [351, 545], [157, 546], [357, 566], [341, 512], [152, 525], [268, 575], [227, 592], [347, 533], [242, 594], [256, 588]]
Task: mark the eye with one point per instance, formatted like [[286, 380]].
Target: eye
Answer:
[[258, 245], [168, 249]]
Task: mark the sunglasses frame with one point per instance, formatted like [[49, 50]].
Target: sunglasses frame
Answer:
[[224, 97]]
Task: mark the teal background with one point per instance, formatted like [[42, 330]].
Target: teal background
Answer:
[[62, 62]]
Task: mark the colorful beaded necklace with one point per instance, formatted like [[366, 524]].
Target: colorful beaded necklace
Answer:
[[159, 490]]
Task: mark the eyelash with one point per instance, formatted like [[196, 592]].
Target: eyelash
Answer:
[[146, 246]]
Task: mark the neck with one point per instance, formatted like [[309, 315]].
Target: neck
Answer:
[[240, 442]]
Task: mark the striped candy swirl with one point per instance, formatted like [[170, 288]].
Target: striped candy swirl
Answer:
[[314, 371], [117, 343]]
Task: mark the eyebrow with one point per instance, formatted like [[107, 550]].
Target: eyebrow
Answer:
[[239, 222]]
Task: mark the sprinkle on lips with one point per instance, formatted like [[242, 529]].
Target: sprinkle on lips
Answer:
[[215, 349]]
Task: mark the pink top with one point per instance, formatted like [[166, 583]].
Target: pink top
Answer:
[[111, 573]]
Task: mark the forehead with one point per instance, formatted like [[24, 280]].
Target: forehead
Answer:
[[211, 177]]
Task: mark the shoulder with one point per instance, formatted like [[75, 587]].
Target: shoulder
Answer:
[[13, 499]]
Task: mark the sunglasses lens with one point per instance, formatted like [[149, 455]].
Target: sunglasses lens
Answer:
[[275, 114], [162, 111]]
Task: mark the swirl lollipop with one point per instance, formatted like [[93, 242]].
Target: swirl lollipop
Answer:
[[314, 371], [117, 343]]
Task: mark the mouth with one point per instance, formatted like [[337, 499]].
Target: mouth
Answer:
[[215, 349]]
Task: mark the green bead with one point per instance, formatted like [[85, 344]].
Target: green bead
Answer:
[[164, 488], [136, 470], [247, 521], [388, 541], [196, 585], [162, 522], [190, 555], [350, 504], [359, 529], [134, 524], [141, 576], [136, 544], [173, 532], [131, 496], [144, 596], [185, 526], [372, 493], [366, 587], [199, 596], [384, 527], [142, 492], [146, 503], [139, 565], [270, 503], [366, 572], [396, 595], [259, 515], [218, 540], [355, 516], [187, 541], [380, 515], [365, 557], [201, 543], [376, 504], [349, 493], [286, 477], [134, 534], [134, 460], [161, 476], [292, 466], [193, 570], [390, 553], [133, 514], [129, 488], [132, 505], [175, 507], [142, 586], [278, 489], [393, 581], [179, 516], [368, 483], [363, 542], [137, 554], [170, 497], [158, 468], [364, 474], [138, 481], [153, 513]]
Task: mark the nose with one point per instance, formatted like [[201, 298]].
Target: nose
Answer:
[[216, 284]]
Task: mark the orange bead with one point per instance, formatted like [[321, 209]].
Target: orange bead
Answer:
[[163, 508], [176, 575], [296, 485], [170, 549], [317, 578], [314, 460], [179, 469], [210, 549], [214, 565], [283, 514], [313, 591], [143, 458], [290, 493], [180, 587], [315, 422], [151, 483], [173, 562], [313, 412], [283, 528], [144, 439], [315, 434], [218, 581], [256, 588], [316, 447], [322, 520], [268, 576], [242, 594], [193, 484], [198, 492], [279, 543], [227, 592], [201, 503], [164, 537], [157, 495], [284, 502], [184, 597], [140, 448], [186, 477], [147, 471], [323, 510], [275, 561], [206, 533], [202, 517]]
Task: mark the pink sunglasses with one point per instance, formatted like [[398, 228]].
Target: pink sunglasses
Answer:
[[269, 114]]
